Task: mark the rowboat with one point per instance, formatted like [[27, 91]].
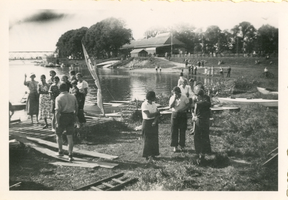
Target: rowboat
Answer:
[[245, 101], [266, 91]]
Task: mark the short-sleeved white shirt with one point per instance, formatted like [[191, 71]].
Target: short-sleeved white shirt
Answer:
[[179, 104], [152, 108], [81, 86]]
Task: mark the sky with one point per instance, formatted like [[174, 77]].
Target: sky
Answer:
[[37, 27]]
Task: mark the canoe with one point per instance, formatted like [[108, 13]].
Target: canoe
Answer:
[[18, 106], [266, 91], [245, 101], [225, 108]]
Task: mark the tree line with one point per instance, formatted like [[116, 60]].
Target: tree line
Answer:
[[105, 38]]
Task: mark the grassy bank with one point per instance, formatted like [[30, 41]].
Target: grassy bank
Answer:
[[240, 144]]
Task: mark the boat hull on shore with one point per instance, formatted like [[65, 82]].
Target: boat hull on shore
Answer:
[[266, 91], [245, 101]]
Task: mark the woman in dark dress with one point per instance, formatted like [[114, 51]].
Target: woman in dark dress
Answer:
[[201, 117], [150, 116]]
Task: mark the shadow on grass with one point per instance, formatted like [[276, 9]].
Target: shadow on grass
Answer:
[[28, 185], [26, 163]]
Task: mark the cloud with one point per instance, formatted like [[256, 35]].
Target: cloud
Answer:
[[45, 16]]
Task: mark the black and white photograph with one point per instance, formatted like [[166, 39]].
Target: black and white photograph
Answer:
[[133, 96]]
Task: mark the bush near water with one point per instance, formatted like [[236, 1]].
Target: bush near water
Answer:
[[240, 143]]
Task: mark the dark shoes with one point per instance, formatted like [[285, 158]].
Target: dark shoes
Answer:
[[60, 153], [70, 159]]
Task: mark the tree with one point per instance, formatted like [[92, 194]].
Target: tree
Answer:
[[212, 37], [69, 44], [185, 33], [105, 38], [267, 39], [244, 37]]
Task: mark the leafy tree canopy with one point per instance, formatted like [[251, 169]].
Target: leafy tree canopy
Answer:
[[105, 38]]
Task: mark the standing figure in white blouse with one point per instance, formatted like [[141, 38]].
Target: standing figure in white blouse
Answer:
[[187, 91], [150, 115], [179, 103]]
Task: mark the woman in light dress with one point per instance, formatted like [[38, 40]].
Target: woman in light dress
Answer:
[[44, 101]]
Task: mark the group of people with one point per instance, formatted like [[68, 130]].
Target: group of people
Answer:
[[156, 68], [61, 100], [184, 101]]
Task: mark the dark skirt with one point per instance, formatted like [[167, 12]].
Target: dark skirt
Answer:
[[201, 137], [150, 137], [81, 116], [32, 104]]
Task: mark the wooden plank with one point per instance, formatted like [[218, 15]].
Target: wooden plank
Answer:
[[117, 180], [117, 187], [75, 150], [100, 181], [276, 149], [107, 164], [95, 188], [15, 185], [270, 159], [108, 185], [75, 164]]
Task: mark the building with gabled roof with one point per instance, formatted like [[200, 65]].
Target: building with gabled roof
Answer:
[[158, 45]]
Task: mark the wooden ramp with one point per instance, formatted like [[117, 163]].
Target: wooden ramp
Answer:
[[78, 162], [115, 182], [75, 150]]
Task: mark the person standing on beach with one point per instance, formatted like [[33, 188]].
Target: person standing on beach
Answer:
[[181, 79], [66, 109], [65, 79], [82, 85], [179, 104], [44, 100], [195, 69], [52, 75], [228, 71], [54, 92], [186, 90], [201, 117], [150, 115], [72, 75], [221, 72], [32, 104]]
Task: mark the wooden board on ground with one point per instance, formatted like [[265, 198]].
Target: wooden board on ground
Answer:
[[75, 164], [76, 150], [111, 183], [78, 161]]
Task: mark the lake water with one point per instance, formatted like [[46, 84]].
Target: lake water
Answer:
[[117, 84]]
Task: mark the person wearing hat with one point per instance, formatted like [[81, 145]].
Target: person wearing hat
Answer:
[[201, 117], [32, 103], [179, 104]]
